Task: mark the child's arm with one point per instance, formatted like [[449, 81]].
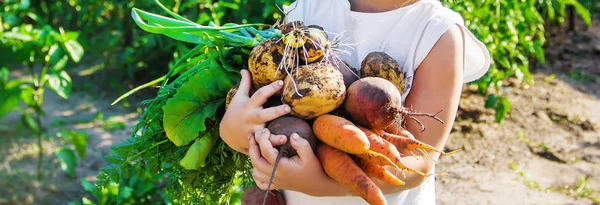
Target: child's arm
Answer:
[[437, 86]]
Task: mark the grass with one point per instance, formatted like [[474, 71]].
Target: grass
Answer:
[[529, 142], [583, 77], [577, 189], [109, 124]]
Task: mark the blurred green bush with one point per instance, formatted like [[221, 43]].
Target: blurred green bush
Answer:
[[514, 32], [108, 32]]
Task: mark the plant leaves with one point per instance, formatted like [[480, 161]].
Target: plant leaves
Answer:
[[30, 123], [60, 83], [491, 101], [74, 49], [78, 140], [502, 109], [581, 10], [88, 186], [10, 94], [195, 101], [68, 161], [57, 58]]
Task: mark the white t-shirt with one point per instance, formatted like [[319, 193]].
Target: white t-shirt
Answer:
[[406, 34]]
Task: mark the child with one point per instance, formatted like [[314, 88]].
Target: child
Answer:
[[434, 49]]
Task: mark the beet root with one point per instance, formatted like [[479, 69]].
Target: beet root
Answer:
[[287, 125], [376, 103], [254, 196], [373, 102]]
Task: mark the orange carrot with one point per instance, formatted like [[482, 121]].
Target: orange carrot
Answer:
[[340, 167], [340, 133], [386, 148], [405, 142], [397, 129], [377, 158], [376, 171]]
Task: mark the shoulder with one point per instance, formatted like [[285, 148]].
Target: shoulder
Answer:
[[446, 36], [447, 54]]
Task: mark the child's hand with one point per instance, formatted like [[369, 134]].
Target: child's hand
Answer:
[[246, 116], [302, 173]]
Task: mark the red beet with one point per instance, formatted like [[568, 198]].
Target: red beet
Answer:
[[376, 103], [254, 196]]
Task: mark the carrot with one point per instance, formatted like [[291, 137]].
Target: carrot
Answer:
[[376, 171], [386, 148], [377, 158], [397, 129], [341, 134], [340, 167], [406, 142]]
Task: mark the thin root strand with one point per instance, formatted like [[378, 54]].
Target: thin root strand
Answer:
[[413, 114]]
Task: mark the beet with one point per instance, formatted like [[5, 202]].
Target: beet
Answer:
[[287, 125], [373, 102], [376, 103], [254, 196]]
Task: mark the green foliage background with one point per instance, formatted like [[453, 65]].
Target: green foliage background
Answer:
[[514, 32]]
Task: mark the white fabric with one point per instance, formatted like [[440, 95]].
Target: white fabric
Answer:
[[407, 34]]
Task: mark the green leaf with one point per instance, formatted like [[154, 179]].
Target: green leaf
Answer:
[[60, 83], [88, 186], [77, 139], [57, 58], [115, 159], [74, 49], [491, 101], [195, 101], [125, 192], [16, 36], [581, 10], [28, 97], [9, 99], [68, 161], [10, 93], [30, 123], [502, 109]]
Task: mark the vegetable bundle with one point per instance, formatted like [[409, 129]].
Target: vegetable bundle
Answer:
[[351, 121]]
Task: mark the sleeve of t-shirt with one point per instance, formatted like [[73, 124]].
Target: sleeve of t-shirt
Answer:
[[477, 59]]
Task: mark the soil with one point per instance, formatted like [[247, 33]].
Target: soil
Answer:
[[549, 143]]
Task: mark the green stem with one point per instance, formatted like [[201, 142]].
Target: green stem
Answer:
[[138, 89], [41, 79], [144, 151], [183, 58], [31, 71], [40, 148]]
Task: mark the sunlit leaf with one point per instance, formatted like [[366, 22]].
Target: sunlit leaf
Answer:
[[74, 49], [581, 10], [57, 58], [16, 36], [60, 83]]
